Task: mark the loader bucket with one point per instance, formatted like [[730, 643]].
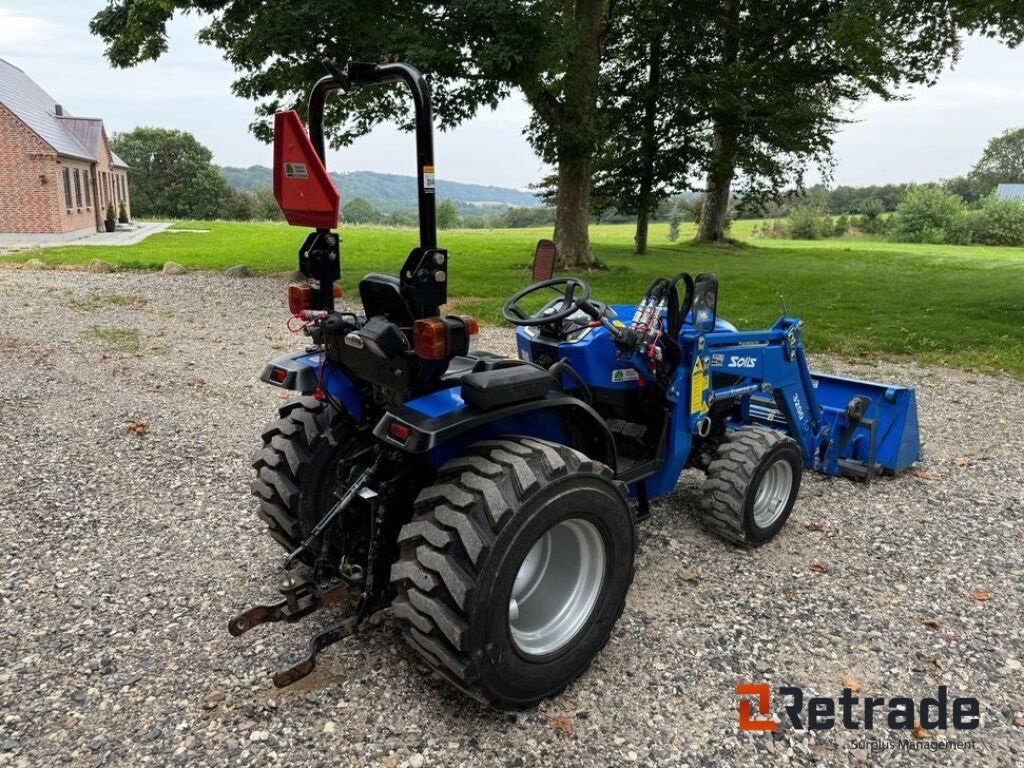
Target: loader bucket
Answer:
[[882, 436]]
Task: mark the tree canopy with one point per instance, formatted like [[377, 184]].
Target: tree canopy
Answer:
[[474, 52], [645, 96], [1002, 162], [171, 174]]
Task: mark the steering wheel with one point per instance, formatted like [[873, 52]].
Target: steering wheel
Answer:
[[571, 303]]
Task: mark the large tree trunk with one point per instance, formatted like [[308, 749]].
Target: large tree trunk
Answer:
[[572, 213], [643, 218], [576, 135], [721, 167], [722, 163], [648, 147]]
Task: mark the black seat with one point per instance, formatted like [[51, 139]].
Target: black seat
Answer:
[[382, 295]]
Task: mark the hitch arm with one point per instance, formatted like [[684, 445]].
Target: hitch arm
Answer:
[[343, 504]]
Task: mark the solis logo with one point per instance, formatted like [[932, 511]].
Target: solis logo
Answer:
[[819, 713]]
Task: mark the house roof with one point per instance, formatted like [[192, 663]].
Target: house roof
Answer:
[[1010, 191], [89, 132], [70, 136]]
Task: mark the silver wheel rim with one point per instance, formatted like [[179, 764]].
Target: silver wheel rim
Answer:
[[556, 587], [773, 493]]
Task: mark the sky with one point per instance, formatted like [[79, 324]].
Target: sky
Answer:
[[940, 132]]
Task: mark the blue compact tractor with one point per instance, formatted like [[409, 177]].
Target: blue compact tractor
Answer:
[[491, 502]]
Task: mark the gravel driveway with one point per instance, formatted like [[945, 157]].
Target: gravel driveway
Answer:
[[124, 554]]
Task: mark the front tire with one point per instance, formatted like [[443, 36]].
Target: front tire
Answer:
[[514, 569], [751, 485]]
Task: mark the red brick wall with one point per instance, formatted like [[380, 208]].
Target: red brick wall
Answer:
[[30, 183], [113, 181], [74, 216], [32, 191]]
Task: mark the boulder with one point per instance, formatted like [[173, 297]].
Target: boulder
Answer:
[[99, 265], [239, 270], [173, 268], [34, 264]]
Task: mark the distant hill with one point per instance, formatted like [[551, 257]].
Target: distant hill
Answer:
[[390, 192]]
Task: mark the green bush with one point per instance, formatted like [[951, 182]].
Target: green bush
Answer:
[[808, 222], [842, 226], [998, 222], [930, 214], [871, 221]]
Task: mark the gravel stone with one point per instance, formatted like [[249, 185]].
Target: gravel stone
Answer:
[[126, 551]]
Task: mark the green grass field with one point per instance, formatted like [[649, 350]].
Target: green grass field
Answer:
[[958, 305]]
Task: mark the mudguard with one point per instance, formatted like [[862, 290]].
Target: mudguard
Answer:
[[306, 371], [443, 425]]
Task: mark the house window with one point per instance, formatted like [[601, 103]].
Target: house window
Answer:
[[88, 190], [67, 187], [78, 189]]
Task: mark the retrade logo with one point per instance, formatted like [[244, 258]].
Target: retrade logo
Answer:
[[763, 694], [854, 712]]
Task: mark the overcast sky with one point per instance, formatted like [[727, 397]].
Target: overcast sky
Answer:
[[937, 134]]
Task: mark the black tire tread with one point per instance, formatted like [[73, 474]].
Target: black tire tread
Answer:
[[455, 522], [729, 476], [288, 444]]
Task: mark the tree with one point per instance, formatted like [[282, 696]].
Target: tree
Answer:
[[359, 211], [475, 52], [998, 222], [673, 227], [1002, 162], [781, 74], [929, 214], [265, 207], [962, 187], [649, 126], [447, 215], [871, 221], [171, 174]]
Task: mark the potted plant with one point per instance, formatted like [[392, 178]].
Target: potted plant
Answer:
[[122, 214], [109, 222]]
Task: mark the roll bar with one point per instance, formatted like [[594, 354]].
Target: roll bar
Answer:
[[360, 74]]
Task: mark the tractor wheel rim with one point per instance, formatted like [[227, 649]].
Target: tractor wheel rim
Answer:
[[773, 493], [556, 587]]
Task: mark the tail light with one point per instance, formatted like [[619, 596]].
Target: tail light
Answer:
[[399, 432], [473, 331], [303, 296], [300, 298], [438, 338], [430, 338]]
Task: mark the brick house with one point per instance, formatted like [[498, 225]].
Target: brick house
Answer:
[[57, 172]]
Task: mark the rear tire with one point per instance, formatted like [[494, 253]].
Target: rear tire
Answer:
[[751, 485], [297, 469], [515, 518]]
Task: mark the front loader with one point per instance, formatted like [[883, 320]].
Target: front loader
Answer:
[[490, 503]]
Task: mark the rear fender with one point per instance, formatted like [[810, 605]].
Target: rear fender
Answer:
[[442, 426], [305, 372]]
